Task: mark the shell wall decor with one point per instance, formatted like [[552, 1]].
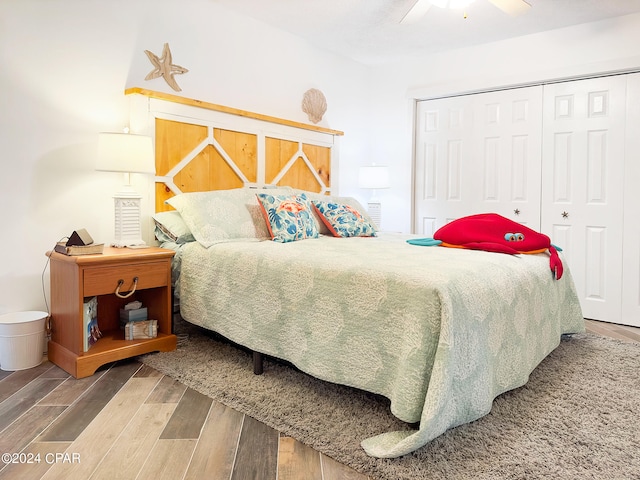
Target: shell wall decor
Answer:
[[314, 104]]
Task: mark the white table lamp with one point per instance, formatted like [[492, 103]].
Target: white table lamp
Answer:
[[127, 153], [374, 177]]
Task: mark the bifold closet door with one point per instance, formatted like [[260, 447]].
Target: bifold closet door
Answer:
[[443, 143], [631, 246], [583, 159], [478, 153]]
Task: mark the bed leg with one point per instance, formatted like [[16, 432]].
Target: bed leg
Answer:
[[258, 366]]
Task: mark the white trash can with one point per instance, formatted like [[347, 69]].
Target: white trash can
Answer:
[[22, 337]]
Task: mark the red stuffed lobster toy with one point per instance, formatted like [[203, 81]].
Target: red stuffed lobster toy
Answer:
[[493, 233]]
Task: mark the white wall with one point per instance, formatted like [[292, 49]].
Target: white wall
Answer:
[[605, 46], [65, 65]]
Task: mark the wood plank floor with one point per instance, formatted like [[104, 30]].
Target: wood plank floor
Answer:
[[129, 421]]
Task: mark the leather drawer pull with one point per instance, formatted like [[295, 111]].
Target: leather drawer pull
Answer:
[[120, 283]]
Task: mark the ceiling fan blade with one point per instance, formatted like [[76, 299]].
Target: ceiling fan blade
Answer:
[[416, 12], [512, 7]]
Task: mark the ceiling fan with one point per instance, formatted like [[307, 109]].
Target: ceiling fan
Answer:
[[420, 7]]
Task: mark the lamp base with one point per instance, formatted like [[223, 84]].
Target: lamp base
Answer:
[[128, 229], [374, 209]]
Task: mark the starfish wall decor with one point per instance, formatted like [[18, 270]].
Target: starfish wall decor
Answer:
[[164, 68]]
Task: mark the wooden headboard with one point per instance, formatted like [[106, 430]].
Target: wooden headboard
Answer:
[[202, 146]]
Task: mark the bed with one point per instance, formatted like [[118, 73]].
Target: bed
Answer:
[[439, 332]]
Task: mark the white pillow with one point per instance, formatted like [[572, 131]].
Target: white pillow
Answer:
[[172, 225], [224, 215]]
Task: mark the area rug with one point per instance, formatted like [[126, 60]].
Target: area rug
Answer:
[[578, 417]]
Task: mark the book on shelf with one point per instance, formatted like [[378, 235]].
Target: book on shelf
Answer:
[[90, 323], [62, 247]]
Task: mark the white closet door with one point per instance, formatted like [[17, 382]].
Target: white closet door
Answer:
[[507, 154], [631, 247], [443, 142], [582, 194], [478, 153]]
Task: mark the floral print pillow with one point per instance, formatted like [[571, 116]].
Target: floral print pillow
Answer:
[[344, 220], [288, 217]]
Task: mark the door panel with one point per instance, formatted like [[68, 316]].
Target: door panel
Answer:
[[631, 245], [508, 133], [444, 142], [582, 194]]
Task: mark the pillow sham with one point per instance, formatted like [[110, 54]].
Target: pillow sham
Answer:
[[344, 220], [173, 227], [288, 217], [223, 215]]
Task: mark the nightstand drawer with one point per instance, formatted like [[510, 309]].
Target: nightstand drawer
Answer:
[[105, 280]]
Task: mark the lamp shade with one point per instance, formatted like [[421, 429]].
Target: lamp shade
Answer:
[[125, 152], [374, 176]]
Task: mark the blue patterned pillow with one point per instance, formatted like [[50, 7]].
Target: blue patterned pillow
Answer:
[[288, 217], [344, 220]]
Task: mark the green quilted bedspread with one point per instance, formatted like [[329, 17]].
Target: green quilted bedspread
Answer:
[[440, 332]]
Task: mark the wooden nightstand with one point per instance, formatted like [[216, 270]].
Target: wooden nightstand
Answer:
[[74, 278]]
